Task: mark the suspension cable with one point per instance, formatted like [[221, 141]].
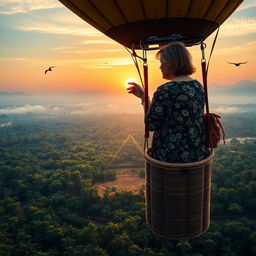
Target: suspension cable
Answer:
[[144, 83], [134, 58]]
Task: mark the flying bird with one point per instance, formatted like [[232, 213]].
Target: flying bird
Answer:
[[237, 63], [49, 69]]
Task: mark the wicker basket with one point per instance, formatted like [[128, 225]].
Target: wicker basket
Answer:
[[178, 197]]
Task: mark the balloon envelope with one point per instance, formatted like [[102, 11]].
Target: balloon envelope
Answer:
[[131, 22]]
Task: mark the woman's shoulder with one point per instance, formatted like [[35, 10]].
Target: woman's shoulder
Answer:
[[174, 88], [167, 90], [172, 84], [167, 86]]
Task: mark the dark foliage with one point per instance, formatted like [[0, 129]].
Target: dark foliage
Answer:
[[49, 205]]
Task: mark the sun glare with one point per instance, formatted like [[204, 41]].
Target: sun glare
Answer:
[[130, 80]]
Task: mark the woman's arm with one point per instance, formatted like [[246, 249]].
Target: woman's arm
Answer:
[[156, 112]]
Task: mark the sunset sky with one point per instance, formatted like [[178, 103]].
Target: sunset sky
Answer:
[[38, 34]]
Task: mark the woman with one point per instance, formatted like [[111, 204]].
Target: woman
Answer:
[[176, 114]]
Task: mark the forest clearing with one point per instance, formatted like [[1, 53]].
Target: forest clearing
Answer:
[[126, 180]]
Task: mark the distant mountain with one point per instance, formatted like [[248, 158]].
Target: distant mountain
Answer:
[[243, 88]]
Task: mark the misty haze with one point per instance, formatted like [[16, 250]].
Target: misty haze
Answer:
[[240, 97]]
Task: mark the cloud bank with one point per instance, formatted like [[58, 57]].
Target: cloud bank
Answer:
[[246, 5], [9, 7], [226, 109], [59, 29], [238, 27], [24, 109]]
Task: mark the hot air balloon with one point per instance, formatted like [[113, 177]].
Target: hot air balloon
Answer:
[[177, 195], [135, 21]]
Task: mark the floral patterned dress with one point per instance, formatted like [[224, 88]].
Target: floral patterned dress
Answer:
[[176, 116]]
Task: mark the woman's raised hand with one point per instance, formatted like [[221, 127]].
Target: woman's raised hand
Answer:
[[136, 90]]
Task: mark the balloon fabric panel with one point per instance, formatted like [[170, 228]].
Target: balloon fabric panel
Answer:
[[129, 22]]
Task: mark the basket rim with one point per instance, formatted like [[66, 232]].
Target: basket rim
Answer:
[[167, 165]]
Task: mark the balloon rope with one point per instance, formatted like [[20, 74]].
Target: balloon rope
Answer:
[[134, 58], [205, 73], [145, 144], [213, 44], [144, 84]]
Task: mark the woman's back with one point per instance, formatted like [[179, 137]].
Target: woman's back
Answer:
[[176, 116]]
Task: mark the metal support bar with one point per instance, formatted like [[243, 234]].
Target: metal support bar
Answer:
[[204, 74], [146, 102]]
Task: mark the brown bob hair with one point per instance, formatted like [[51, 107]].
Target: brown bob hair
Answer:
[[178, 57]]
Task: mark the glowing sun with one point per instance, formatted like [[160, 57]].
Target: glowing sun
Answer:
[[130, 80]]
